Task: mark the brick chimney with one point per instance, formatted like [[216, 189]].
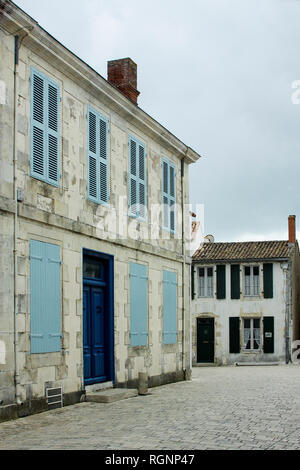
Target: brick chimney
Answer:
[[122, 74], [292, 229]]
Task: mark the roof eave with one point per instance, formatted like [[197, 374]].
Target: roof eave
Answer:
[[241, 260]]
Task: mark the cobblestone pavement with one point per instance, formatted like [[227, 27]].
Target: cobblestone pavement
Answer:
[[253, 407]]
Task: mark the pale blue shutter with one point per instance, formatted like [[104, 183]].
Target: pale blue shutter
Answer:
[[38, 126], [169, 195], [97, 158], [169, 307], [53, 133], [44, 128], [45, 298], [133, 177], [137, 171], [138, 305]]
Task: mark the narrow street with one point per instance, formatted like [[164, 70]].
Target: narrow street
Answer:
[[254, 407]]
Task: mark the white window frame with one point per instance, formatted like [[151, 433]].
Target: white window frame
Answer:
[[208, 290], [252, 335], [251, 288]]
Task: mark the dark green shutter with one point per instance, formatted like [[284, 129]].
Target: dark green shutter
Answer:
[[269, 335], [235, 281], [221, 282], [193, 282], [268, 281], [234, 335]]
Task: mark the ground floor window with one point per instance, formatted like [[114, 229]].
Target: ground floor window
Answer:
[[251, 334]]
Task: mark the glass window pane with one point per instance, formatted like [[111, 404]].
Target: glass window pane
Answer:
[[247, 270], [201, 272], [201, 287], [247, 323], [91, 269], [210, 287], [209, 272], [256, 323], [256, 270]]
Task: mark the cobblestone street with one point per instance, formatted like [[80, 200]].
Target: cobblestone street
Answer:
[[254, 407]]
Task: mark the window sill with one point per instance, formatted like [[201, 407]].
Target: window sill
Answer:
[[44, 180], [251, 351]]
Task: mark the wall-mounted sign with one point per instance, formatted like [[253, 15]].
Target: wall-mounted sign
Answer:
[[268, 335]]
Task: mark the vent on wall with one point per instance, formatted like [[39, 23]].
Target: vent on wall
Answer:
[[54, 398]]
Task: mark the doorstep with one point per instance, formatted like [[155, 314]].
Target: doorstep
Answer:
[[111, 395], [256, 364]]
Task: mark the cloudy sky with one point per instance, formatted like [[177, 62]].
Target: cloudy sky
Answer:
[[219, 75]]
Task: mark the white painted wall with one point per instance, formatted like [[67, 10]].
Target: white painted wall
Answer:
[[222, 310]]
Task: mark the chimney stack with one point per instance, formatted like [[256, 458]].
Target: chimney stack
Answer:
[[122, 74], [292, 229]]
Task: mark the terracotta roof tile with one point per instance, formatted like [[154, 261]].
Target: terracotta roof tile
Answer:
[[243, 251]]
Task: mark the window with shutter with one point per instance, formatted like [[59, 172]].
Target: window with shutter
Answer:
[[235, 281], [45, 298], [169, 307], [251, 281], [169, 195], [268, 335], [98, 190], [137, 170], [138, 305], [45, 136], [221, 282], [234, 335], [268, 281]]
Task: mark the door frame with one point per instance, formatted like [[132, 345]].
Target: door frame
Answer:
[[214, 336], [110, 311]]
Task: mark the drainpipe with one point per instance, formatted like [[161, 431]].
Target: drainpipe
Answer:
[[288, 313], [183, 270], [17, 373]]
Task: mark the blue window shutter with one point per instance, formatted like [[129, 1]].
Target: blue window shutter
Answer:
[[169, 195], [138, 305], [166, 207], [169, 307], [103, 125], [38, 126], [45, 146], [137, 171], [53, 132], [45, 297], [97, 157]]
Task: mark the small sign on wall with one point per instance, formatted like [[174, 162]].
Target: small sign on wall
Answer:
[[268, 335]]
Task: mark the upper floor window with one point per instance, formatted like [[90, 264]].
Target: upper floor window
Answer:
[[45, 148], [169, 195], [251, 334], [97, 157], [251, 280], [206, 282], [137, 171]]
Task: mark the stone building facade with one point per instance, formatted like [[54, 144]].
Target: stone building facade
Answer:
[[95, 283], [246, 304]]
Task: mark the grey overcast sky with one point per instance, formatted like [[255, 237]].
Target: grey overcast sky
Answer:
[[219, 75]]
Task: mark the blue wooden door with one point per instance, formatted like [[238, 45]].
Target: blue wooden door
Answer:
[[97, 323], [94, 344]]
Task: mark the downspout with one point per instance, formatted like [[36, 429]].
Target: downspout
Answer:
[[17, 372], [183, 272], [288, 313]]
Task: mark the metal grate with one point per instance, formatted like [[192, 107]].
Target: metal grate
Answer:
[[54, 398]]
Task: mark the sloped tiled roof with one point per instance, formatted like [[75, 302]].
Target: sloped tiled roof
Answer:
[[243, 251]]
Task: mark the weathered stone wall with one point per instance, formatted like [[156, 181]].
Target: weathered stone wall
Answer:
[[66, 217]]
